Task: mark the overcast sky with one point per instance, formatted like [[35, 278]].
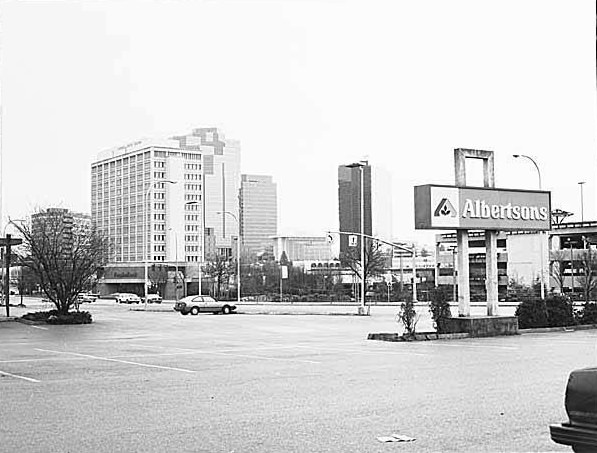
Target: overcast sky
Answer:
[[305, 86]]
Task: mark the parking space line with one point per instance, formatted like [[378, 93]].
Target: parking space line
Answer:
[[107, 359], [4, 373], [246, 356], [477, 346], [366, 352]]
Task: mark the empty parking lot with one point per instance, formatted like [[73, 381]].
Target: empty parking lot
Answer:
[[158, 381]]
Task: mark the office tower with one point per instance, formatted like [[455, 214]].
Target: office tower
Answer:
[[221, 177], [56, 227], [259, 213], [377, 202], [62, 221], [157, 198]]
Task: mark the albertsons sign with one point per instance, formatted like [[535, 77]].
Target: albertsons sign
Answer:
[[449, 207]]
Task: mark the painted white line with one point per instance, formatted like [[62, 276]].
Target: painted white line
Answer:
[[39, 327], [28, 379], [366, 352], [463, 345], [246, 356], [107, 359]]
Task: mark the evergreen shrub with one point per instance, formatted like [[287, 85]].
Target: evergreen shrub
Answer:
[[54, 317]]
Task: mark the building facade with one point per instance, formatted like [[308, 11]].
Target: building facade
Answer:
[[445, 257], [258, 214], [303, 248], [60, 221], [572, 250], [377, 202], [164, 200]]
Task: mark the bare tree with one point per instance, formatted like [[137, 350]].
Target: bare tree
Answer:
[[218, 268], [158, 277], [588, 268], [375, 259], [63, 255], [556, 268]]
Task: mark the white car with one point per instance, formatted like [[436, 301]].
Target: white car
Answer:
[[87, 297], [128, 298], [154, 299]]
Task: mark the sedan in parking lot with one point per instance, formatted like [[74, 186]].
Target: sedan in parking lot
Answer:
[[153, 299], [200, 304], [127, 298]]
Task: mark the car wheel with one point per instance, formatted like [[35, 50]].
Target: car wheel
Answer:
[[184, 313], [195, 311], [226, 309]]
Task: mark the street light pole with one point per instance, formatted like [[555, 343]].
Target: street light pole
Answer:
[[361, 166], [175, 263], [146, 223], [542, 233], [237, 255], [582, 203]]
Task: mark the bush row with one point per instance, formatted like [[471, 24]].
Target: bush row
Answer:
[[532, 312], [54, 317], [554, 311]]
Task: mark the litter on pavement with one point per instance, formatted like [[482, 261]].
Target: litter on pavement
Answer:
[[396, 438]]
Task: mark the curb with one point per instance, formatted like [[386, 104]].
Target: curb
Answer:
[[297, 314], [258, 313], [558, 329], [418, 336], [29, 322], [10, 318]]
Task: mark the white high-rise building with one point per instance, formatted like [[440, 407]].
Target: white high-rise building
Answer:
[[161, 198]]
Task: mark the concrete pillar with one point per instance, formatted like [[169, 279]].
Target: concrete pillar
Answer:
[[491, 282], [491, 272], [464, 304]]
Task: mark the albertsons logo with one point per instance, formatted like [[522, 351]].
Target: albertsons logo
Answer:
[[445, 209]]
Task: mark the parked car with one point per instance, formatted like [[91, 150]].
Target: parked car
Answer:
[[154, 299], [127, 298], [580, 431], [87, 297], [201, 304]]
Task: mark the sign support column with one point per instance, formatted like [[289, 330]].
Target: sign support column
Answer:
[[464, 297], [491, 272]]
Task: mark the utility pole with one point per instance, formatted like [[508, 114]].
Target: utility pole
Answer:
[[8, 242]]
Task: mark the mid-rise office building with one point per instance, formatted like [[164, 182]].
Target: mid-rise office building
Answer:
[[258, 214], [167, 199], [61, 223]]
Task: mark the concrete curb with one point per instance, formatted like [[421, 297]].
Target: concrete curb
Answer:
[[29, 322], [558, 329], [10, 318], [296, 314], [418, 336]]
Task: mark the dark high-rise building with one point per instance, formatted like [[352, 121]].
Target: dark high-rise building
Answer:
[[349, 201]]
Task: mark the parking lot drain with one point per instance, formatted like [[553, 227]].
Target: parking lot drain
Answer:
[[396, 438]]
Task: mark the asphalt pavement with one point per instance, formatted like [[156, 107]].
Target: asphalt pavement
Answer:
[[253, 382]]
